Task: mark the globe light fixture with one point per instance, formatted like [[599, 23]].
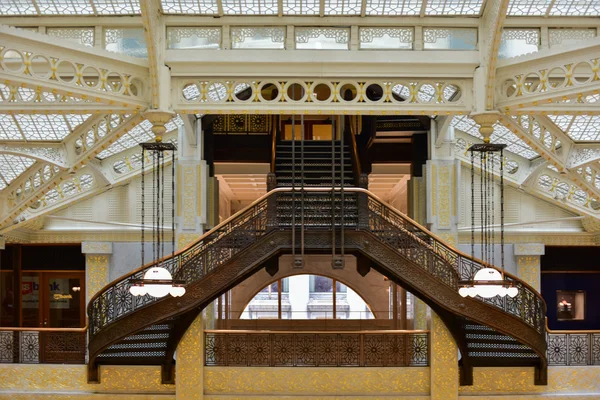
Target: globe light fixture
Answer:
[[488, 283], [157, 282]]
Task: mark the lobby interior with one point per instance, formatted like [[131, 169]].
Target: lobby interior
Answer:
[[300, 199]]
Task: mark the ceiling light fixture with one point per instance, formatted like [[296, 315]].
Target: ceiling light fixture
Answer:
[[488, 282]]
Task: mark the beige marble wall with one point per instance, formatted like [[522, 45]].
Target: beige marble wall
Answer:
[[71, 379], [315, 383]]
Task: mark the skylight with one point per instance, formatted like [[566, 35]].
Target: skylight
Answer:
[[39, 126], [330, 7], [501, 135], [554, 8], [579, 127], [11, 167], [69, 7], [139, 134]]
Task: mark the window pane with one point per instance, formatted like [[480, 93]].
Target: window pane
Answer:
[[322, 284], [7, 294], [258, 37], [322, 38], [30, 299], [386, 38], [193, 38], [450, 38], [128, 41], [516, 42]]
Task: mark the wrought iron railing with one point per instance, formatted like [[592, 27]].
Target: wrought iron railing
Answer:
[[323, 208], [448, 264], [317, 349], [573, 348], [42, 346], [190, 264]]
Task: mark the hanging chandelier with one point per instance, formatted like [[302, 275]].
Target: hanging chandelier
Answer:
[[157, 281], [488, 282]]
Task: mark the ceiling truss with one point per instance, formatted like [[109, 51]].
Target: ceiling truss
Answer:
[[41, 75]]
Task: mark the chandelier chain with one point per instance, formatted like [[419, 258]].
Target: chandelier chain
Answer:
[[143, 208]]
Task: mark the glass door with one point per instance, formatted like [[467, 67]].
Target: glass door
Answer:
[[64, 305], [53, 299]]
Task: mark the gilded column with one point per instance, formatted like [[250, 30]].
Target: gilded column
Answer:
[[96, 266], [443, 178], [189, 380], [444, 361], [529, 262], [417, 209], [442, 181]]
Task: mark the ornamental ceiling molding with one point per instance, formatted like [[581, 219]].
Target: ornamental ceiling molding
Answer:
[[392, 96], [31, 60], [549, 76]]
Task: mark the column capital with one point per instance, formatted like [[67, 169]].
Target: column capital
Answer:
[[96, 247], [158, 118], [529, 249], [486, 121]]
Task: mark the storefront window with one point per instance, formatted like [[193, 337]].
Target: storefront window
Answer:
[[571, 305]]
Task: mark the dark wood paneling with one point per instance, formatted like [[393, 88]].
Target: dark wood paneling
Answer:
[[242, 148], [571, 258], [68, 257]]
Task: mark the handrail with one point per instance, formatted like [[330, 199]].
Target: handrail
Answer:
[[324, 332], [437, 247], [354, 156], [274, 140], [35, 329]]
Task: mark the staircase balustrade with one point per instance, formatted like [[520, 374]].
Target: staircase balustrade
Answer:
[[410, 240]]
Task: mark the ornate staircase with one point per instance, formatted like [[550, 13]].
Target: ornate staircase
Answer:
[[489, 332]]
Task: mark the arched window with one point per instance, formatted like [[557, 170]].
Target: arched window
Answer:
[[307, 297]]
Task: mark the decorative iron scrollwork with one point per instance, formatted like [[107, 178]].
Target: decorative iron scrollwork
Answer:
[[317, 349]]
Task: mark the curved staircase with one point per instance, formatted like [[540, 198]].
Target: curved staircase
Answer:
[[489, 332], [143, 330]]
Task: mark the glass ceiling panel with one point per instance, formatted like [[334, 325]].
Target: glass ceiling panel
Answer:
[[501, 135], [139, 134], [568, 8], [190, 7], [580, 127], [69, 7], [575, 8], [453, 7], [330, 7], [11, 167], [39, 126]]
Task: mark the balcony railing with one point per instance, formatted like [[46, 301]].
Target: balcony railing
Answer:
[[573, 348], [43, 345], [317, 349]]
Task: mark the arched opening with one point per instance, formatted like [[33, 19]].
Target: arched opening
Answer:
[[307, 296]]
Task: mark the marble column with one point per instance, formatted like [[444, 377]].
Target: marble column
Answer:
[[189, 380], [97, 257], [444, 361], [528, 257]]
